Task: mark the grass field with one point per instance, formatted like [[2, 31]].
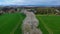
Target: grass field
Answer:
[[8, 22], [49, 24], [11, 23]]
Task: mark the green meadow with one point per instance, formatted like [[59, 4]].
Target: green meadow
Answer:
[[49, 24], [10, 23]]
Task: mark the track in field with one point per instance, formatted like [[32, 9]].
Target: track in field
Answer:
[[9, 21], [51, 22]]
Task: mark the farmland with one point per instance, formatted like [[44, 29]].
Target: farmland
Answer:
[[49, 24], [10, 23]]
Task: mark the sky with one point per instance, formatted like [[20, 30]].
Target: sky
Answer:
[[30, 2]]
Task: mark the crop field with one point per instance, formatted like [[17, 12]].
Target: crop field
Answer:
[[11, 23], [49, 24]]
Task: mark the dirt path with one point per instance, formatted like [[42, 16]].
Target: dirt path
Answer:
[[30, 24]]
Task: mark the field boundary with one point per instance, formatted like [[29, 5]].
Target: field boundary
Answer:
[[48, 29]]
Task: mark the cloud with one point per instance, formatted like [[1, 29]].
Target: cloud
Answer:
[[8, 2], [29, 2]]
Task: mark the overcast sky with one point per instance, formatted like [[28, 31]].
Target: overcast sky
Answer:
[[30, 2]]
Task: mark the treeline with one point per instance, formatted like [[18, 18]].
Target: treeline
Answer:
[[39, 10], [47, 11]]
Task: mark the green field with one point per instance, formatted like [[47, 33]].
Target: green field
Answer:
[[9, 23], [49, 24]]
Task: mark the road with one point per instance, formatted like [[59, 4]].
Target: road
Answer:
[[30, 24]]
